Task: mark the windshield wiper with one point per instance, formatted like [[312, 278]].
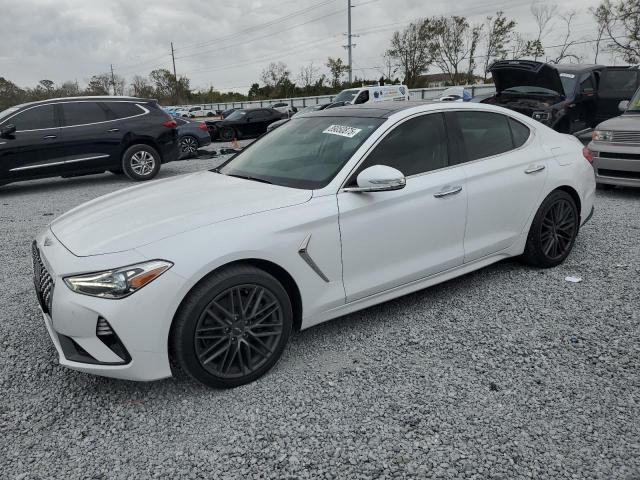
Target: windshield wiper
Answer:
[[247, 177]]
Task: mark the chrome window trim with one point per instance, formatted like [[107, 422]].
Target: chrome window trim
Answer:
[[53, 164], [145, 111], [383, 135]]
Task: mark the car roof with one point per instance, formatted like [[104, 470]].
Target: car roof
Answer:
[[88, 98], [370, 110], [577, 67]]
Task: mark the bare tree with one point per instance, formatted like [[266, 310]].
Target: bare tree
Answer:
[[542, 13], [621, 22], [389, 66], [409, 48], [308, 75], [141, 86], [567, 43], [518, 46], [99, 84], [474, 39], [275, 74], [598, 40], [499, 29]]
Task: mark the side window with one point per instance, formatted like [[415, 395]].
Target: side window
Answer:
[[418, 145], [34, 119], [362, 98], [484, 134], [587, 86], [260, 114], [519, 132], [82, 113], [124, 109]]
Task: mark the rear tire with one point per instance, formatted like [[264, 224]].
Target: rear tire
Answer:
[[141, 162], [188, 146], [227, 134], [232, 328], [553, 231]]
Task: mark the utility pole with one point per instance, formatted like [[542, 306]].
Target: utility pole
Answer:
[[349, 44], [113, 80], [175, 77]]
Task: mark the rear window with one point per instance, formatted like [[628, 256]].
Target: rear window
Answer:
[[484, 134], [625, 81], [83, 113], [124, 109], [519, 132]]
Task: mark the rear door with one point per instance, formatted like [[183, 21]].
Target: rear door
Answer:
[[505, 175], [616, 84], [31, 151], [90, 135]]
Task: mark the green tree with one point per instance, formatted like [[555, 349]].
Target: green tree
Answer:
[[410, 49], [621, 22], [499, 31], [337, 68]]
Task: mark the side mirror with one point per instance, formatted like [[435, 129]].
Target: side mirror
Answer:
[[623, 106], [378, 178], [7, 130]]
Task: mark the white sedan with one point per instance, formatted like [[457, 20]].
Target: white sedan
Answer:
[[331, 213]]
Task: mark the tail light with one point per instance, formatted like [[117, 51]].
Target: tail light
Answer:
[[170, 124], [588, 155], [203, 127]]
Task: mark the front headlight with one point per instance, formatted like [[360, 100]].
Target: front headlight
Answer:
[[541, 116], [602, 136], [120, 282]]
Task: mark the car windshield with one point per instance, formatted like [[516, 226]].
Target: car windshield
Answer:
[[634, 104], [7, 112], [304, 153], [237, 115], [346, 95], [569, 82]]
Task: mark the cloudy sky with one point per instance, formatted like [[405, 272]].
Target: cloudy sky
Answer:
[[226, 44]]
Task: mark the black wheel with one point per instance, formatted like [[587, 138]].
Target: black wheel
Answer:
[[188, 146], [553, 231], [209, 114], [232, 328], [141, 162], [227, 134]]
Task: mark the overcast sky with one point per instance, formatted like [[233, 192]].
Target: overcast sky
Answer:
[[226, 44]]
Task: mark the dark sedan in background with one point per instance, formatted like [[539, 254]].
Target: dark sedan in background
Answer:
[[243, 123], [192, 135]]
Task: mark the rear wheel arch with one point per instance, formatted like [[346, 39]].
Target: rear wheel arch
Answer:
[[574, 194], [130, 141]]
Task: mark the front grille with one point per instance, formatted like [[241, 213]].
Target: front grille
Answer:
[[626, 137], [619, 174], [620, 156], [42, 280]]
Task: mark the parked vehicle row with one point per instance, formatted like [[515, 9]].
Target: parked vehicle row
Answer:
[[85, 135], [243, 123], [346, 208]]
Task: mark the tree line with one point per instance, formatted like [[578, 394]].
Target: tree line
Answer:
[[461, 50]]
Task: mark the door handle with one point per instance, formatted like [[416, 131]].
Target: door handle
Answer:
[[448, 191], [537, 168], [49, 137], [113, 130]]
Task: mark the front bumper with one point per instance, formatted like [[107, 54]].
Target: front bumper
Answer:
[[140, 322], [616, 164]]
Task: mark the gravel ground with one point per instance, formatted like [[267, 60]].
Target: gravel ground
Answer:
[[506, 373]]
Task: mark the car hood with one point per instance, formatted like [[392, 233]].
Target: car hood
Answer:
[[140, 215], [518, 73], [628, 122]]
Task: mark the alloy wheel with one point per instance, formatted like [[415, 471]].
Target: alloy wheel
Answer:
[[558, 229], [142, 163], [189, 145], [238, 331]]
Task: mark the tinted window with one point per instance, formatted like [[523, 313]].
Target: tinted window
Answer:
[[34, 118], [418, 145], [124, 109], [587, 83], [626, 80], [82, 113], [260, 114], [484, 134], [519, 132]]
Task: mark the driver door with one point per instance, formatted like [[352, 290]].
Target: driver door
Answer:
[[392, 238]]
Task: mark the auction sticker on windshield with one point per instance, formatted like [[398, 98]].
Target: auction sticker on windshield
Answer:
[[343, 131], [568, 75]]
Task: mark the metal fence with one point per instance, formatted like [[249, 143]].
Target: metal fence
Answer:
[[301, 102]]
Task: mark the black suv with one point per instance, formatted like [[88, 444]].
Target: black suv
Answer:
[[567, 97], [83, 135]]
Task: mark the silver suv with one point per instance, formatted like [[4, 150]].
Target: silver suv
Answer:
[[615, 147]]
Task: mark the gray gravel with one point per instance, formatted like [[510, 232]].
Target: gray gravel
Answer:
[[506, 373]]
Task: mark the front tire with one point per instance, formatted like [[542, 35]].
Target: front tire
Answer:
[[232, 328], [141, 162], [553, 231], [227, 134]]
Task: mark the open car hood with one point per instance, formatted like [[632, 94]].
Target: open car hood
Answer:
[[519, 73]]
